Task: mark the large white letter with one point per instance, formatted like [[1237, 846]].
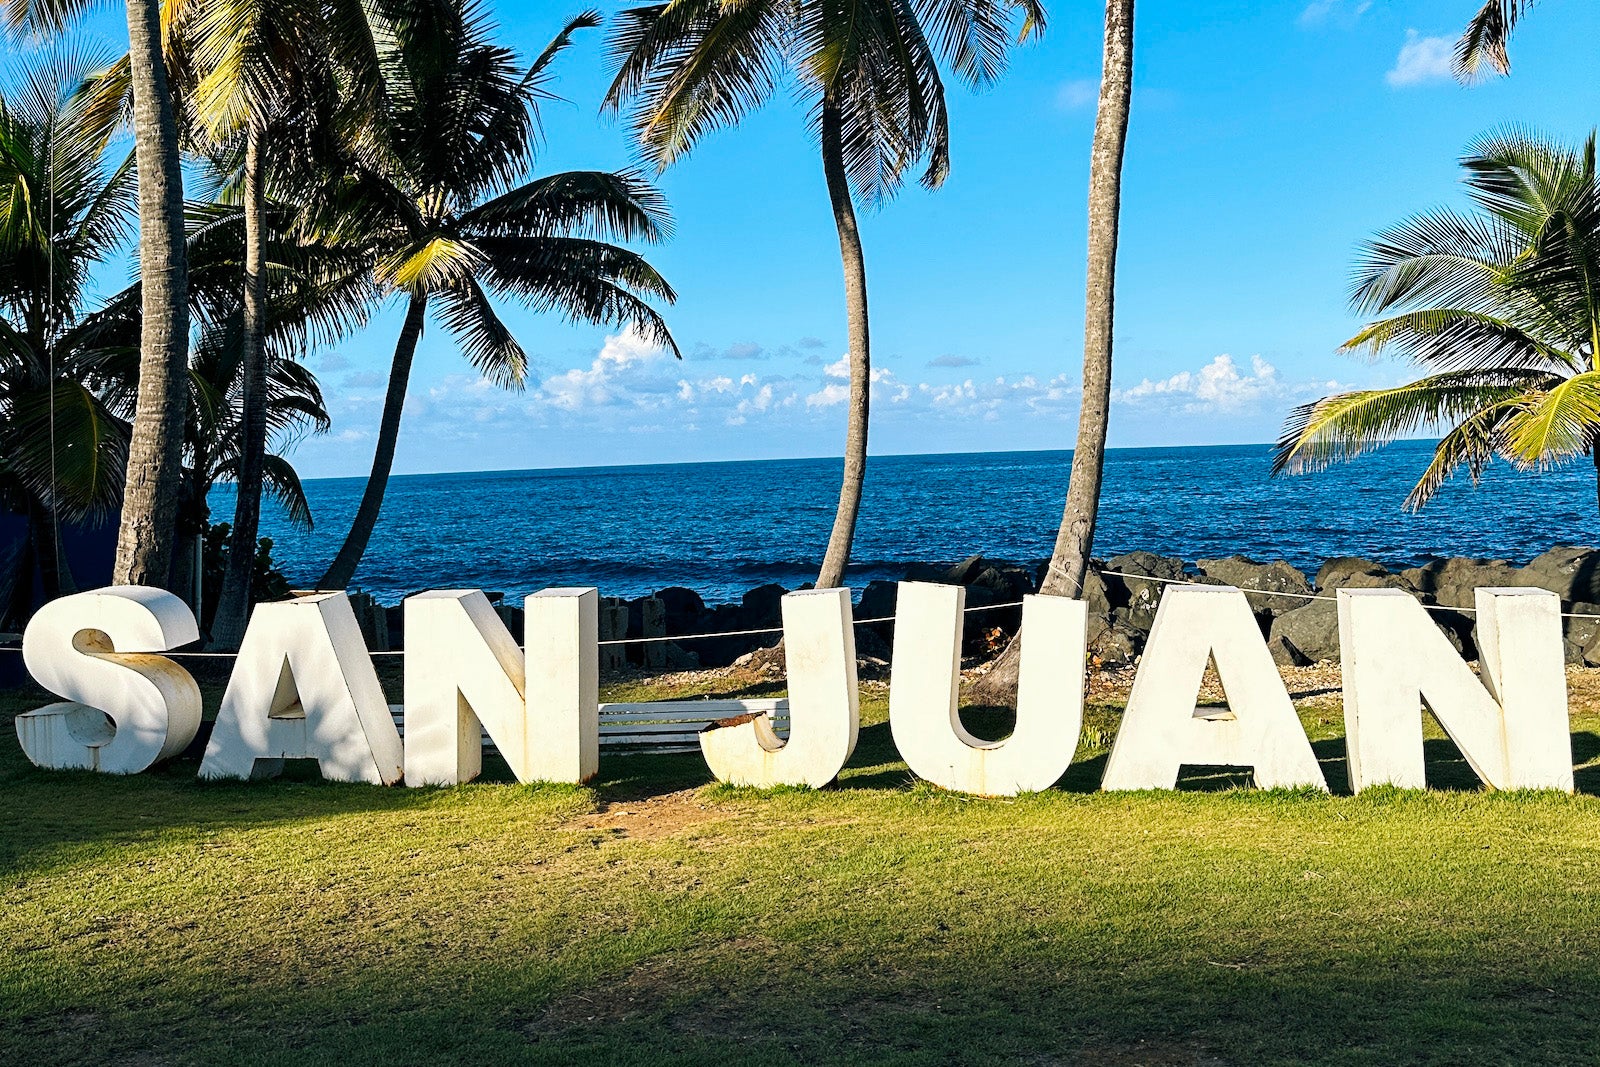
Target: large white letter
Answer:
[[925, 694], [1514, 733], [125, 709], [303, 687], [465, 676], [824, 712], [1162, 728]]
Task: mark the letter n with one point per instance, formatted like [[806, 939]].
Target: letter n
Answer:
[[465, 676], [1512, 727]]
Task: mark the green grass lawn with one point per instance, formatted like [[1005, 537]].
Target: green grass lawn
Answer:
[[657, 919]]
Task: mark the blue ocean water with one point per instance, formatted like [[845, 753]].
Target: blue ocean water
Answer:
[[723, 528]]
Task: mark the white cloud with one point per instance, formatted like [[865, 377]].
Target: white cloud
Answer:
[[829, 395], [1319, 12], [619, 359], [1421, 60], [953, 361], [1218, 386]]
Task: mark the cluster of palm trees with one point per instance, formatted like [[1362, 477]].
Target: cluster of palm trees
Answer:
[[353, 152], [347, 153]]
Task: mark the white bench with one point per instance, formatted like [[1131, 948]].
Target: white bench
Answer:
[[661, 726]]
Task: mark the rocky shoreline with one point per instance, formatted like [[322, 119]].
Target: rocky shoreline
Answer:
[[1295, 610]]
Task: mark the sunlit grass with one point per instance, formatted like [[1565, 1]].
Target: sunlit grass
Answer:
[[655, 918]]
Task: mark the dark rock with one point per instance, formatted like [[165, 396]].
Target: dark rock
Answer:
[[1337, 572], [877, 600], [1583, 635], [1310, 632], [1005, 581], [965, 571], [869, 645], [684, 609], [1095, 594], [763, 606], [1284, 654], [1259, 581], [927, 572], [1453, 582], [1570, 572], [1117, 646], [1139, 598]]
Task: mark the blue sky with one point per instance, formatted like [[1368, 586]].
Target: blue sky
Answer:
[[1267, 140]]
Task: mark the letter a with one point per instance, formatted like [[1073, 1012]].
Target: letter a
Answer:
[[925, 690], [125, 709], [304, 688], [1512, 727], [824, 714], [1162, 729]]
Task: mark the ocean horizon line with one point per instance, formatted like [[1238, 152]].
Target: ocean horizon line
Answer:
[[667, 464]]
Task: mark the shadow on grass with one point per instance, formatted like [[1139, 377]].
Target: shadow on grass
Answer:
[[927, 996]]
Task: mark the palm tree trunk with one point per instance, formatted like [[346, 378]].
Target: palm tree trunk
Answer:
[[344, 564], [1075, 538], [855, 303], [1594, 451], [155, 451], [233, 609]]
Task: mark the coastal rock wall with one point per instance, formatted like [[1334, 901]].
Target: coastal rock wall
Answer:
[[1295, 611]]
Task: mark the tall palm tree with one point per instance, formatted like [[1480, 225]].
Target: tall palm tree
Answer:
[[265, 73], [871, 71], [432, 193], [66, 208], [155, 453], [1069, 560], [1500, 306]]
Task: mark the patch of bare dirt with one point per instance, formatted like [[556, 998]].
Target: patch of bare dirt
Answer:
[[650, 818]]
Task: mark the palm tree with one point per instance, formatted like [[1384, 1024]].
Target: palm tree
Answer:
[[264, 74], [1487, 35], [155, 453], [871, 70], [65, 209], [1499, 306], [430, 193], [1069, 560]]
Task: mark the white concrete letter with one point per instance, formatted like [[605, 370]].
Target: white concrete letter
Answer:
[[465, 674], [824, 711], [125, 709], [925, 693], [303, 687], [1162, 729], [1512, 727]]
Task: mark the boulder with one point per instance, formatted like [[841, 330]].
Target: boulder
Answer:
[[1452, 582], [1260, 581], [1583, 635], [1095, 593], [1008, 583], [763, 606], [1285, 654], [927, 572], [1308, 634], [877, 600], [1338, 572], [1127, 590], [684, 609], [965, 571], [1570, 572], [1116, 646]]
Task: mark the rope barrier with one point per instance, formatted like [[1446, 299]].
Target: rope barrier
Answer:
[[771, 630]]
